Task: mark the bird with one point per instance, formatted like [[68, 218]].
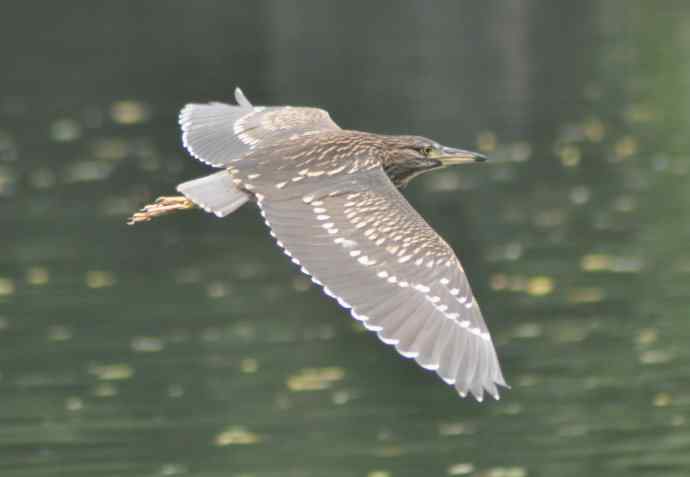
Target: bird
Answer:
[[331, 199]]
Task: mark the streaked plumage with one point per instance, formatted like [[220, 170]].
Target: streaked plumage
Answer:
[[330, 197]]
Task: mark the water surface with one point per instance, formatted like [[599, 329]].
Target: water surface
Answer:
[[192, 346]]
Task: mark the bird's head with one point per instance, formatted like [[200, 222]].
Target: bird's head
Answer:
[[410, 156]]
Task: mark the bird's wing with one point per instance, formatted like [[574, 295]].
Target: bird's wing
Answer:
[[218, 133], [358, 237]]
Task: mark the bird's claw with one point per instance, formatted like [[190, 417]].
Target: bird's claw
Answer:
[[162, 206], [177, 200]]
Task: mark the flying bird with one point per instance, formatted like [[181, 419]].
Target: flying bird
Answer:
[[331, 200]]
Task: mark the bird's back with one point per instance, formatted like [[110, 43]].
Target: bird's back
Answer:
[[302, 161]]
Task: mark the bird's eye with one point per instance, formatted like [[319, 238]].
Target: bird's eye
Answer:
[[426, 150]]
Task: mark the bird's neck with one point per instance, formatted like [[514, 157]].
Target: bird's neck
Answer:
[[401, 175]]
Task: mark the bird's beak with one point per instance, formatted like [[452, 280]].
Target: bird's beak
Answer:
[[450, 156]]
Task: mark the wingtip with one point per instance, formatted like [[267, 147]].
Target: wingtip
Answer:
[[480, 395], [241, 99], [182, 117]]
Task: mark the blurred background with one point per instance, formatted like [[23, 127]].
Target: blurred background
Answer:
[[192, 346]]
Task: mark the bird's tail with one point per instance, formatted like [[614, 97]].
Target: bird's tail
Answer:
[[215, 193]]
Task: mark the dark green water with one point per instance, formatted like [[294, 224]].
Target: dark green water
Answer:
[[192, 346]]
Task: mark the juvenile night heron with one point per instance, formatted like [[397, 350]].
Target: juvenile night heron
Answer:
[[330, 198]]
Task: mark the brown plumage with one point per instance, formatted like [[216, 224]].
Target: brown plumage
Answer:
[[330, 197]]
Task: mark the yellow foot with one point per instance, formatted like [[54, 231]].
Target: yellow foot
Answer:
[[162, 206]]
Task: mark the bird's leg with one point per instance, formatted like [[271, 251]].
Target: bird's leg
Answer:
[[162, 206]]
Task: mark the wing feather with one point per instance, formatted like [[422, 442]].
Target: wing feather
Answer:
[[219, 134], [374, 253]]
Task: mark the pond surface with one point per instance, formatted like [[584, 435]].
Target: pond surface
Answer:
[[192, 346]]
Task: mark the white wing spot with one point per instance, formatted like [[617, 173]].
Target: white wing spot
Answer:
[[346, 243], [408, 354], [335, 171], [371, 327], [355, 253], [430, 367], [358, 317], [388, 341], [366, 261]]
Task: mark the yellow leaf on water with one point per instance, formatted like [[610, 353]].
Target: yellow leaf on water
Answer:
[[540, 286]]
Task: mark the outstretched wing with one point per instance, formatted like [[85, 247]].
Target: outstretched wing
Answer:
[[359, 238], [218, 133]]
